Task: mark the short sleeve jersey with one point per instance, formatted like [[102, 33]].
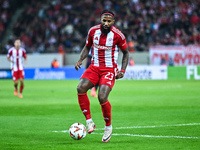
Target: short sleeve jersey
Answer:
[[17, 56], [105, 46]]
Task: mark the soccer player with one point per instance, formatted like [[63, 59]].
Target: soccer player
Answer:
[[106, 41], [15, 56]]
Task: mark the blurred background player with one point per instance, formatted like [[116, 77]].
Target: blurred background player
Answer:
[[15, 56], [89, 60], [106, 41]]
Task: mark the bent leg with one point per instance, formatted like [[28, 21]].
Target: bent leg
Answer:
[[15, 85], [15, 80], [84, 103], [21, 85], [104, 91], [84, 85]]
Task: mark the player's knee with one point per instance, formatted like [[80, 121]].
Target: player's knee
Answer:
[[102, 97], [84, 85], [80, 89]]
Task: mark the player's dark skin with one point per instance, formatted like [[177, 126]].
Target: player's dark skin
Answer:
[[85, 84]]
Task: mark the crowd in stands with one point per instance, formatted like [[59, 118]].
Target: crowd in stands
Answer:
[[6, 11], [62, 25]]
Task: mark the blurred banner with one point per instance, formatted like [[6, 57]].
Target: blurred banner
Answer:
[[180, 55], [142, 72], [138, 72], [184, 72], [5, 74], [193, 72], [53, 73]]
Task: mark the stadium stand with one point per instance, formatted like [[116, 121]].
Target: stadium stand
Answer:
[[8, 9], [47, 24]]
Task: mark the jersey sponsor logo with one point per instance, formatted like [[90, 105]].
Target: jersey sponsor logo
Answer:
[[102, 47]]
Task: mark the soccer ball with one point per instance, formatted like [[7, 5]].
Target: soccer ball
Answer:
[[77, 131]]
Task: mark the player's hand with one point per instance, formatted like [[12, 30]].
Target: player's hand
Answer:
[[119, 75], [25, 61], [78, 65]]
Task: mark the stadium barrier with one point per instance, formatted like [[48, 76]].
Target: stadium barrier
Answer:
[[45, 60], [53, 73], [163, 72], [5, 74], [144, 72], [34, 61], [137, 72], [184, 72]]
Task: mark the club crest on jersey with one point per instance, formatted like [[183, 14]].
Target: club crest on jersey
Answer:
[[110, 39], [96, 38]]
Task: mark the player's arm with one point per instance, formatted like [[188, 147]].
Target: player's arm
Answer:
[[25, 57], [120, 74], [9, 55], [125, 59], [83, 55], [85, 50], [25, 60], [8, 58]]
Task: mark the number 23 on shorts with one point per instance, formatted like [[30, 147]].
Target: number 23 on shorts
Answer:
[[109, 76]]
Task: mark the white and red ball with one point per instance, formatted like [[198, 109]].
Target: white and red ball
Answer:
[[77, 131]]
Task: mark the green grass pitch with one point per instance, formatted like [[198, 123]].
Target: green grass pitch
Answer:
[[146, 115]]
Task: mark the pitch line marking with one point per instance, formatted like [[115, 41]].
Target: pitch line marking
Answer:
[[156, 136], [137, 135], [152, 136], [136, 127], [148, 136], [140, 127]]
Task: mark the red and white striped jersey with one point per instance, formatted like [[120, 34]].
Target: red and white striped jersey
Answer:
[[105, 46], [17, 57]]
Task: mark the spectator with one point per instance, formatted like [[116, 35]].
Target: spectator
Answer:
[[60, 49], [58, 22], [171, 62], [131, 62], [195, 19], [163, 61], [55, 64]]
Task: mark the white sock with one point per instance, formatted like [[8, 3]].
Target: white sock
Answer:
[[89, 120], [108, 127]]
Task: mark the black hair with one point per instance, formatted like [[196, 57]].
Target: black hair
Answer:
[[108, 11]]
